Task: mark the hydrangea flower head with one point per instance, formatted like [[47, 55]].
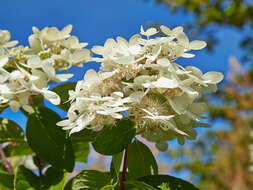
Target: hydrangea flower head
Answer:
[[26, 71], [141, 78]]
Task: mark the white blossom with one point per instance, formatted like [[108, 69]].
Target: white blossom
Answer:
[[140, 78], [27, 71], [5, 36]]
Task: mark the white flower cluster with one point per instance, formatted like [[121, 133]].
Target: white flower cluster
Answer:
[[26, 71], [140, 79]]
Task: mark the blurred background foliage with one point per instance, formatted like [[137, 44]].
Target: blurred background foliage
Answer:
[[210, 15], [222, 158]]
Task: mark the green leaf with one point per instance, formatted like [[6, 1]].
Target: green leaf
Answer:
[[62, 91], [115, 165], [108, 187], [80, 142], [90, 180], [140, 185], [26, 180], [164, 186], [174, 183], [48, 140], [81, 150], [68, 186], [141, 161], [10, 131], [6, 181], [114, 139], [84, 135], [54, 179]]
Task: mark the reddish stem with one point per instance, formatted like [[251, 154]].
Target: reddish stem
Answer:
[[124, 171], [39, 165], [5, 161]]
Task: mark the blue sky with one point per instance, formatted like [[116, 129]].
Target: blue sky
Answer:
[[96, 20]]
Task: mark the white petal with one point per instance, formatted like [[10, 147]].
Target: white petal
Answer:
[[197, 45], [66, 30], [188, 90], [195, 71], [52, 34], [135, 49], [63, 77], [73, 43], [163, 62], [3, 60], [211, 88], [142, 30], [125, 60], [166, 30], [11, 43], [178, 29], [141, 79], [151, 31], [35, 29], [148, 112], [82, 122], [187, 55], [159, 117], [136, 96], [3, 76], [134, 39], [48, 68], [106, 75], [198, 108], [5, 36], [120, 94], [63, 123], [183, 39], [116, 116], [34, 62], [79, 56], [122, 42], [52, 97], [172, 125], [181, 103], [98, 50], [164, 82], [213, 77], [27, 108], [76, 129], [110, 43], [34, 43], [91, 77]]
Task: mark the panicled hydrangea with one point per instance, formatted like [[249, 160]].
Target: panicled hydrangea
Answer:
[[26, 71], [141, 79]]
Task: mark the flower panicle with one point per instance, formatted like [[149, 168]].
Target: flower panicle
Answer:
[[27, 71], [140, 77]]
